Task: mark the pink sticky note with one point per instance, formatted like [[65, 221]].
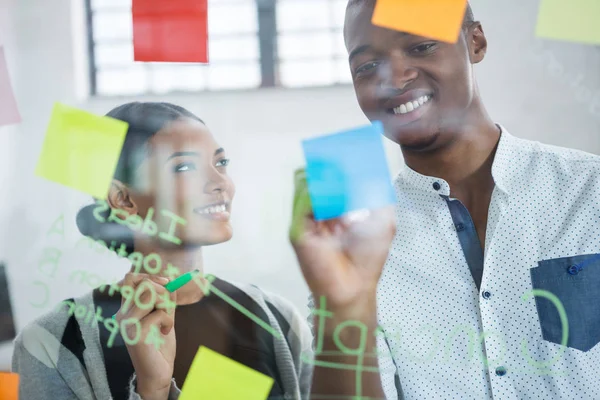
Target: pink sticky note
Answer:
[[9, 113]]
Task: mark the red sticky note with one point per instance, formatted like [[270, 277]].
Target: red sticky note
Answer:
[[170, 30], [9, 386], [9, 113], [436, 19]]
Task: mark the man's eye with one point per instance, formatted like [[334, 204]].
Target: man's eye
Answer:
[[183, 167], [367, 67], [223, 163], [422, 48]]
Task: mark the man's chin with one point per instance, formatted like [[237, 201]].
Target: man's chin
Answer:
[[414, 140]]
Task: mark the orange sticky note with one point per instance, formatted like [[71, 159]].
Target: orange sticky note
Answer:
[[9, 386], [435, 19], [170, 30], [214, 376]]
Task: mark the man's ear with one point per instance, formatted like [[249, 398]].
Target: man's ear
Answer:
[[477, 42], [119, 197]]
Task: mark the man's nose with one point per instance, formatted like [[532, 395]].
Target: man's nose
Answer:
[[397, 73]]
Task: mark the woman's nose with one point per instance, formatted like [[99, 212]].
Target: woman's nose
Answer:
[[217, 183]]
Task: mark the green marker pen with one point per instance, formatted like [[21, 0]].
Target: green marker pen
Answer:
[[177, 283]]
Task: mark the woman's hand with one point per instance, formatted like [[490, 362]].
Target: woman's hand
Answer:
[[343, 258], [148, 320]]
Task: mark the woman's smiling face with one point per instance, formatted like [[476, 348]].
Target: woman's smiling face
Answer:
[[185, 172]]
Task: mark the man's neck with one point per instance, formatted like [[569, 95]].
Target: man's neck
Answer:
[[466, 163]]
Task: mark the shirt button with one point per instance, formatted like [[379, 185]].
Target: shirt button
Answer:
[[486, 295], [460, 227], [573, 270], [436, 185], [500, 371]]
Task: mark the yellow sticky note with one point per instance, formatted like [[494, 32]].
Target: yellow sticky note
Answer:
[[81, 150], [435, 19], [571, 20], [216, 377]]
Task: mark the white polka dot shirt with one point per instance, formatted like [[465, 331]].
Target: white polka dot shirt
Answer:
[[462, 323]]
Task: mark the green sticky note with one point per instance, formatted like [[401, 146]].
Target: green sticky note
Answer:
[[81, 150], [213, 376], [570, 20]]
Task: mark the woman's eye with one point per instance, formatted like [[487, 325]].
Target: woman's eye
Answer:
[[367, 67], [183, 167], [422, 48], [223, 163]]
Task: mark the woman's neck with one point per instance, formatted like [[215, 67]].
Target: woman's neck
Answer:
[[174, 262]]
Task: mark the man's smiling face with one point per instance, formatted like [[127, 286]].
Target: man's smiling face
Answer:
[[421, 89]]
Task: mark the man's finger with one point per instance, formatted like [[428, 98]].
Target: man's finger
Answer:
[[302, 208]]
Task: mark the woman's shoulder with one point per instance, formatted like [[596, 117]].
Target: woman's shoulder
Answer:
[[45, 336], [264, 298], [55, 320], [285, 313]]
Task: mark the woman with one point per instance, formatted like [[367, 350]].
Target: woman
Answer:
[[170, 197]]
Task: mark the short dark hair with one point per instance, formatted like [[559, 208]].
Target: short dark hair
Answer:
[[145, 119]]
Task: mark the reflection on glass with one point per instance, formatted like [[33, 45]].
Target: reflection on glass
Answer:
[[236, 48], [307, 73], [114, 55], [132, 80], [303, 45], [235, 76], [113, 25], [169, 78], [303, 15]]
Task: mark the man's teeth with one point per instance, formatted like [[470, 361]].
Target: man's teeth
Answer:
[[213, 209], [411, 105]]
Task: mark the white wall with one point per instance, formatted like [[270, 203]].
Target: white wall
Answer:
[[523, 81]]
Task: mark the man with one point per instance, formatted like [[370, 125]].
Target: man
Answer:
[[491, 288]]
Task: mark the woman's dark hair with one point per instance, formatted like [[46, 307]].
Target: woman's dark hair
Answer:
[[145, 120]]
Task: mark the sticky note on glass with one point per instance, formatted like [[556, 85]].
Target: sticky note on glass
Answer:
[[348, 171], [170, 31], [9, 113], [81, 150], [213, 376], [570, 20], [435, 19], [9, 386]]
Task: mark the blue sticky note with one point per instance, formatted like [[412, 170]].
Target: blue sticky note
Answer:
[[348, 171]]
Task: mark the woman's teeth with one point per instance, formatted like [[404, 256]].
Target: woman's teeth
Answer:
[[411, 105], [212, 210]]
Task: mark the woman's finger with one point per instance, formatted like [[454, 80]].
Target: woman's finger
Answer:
[[159, 318], [140, 298]]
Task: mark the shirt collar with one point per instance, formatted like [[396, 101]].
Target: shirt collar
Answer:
[[501, 169]]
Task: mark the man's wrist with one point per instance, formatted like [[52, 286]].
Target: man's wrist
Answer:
[[363, 310]]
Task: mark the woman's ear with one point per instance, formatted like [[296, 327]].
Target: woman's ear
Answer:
[[119, 197]]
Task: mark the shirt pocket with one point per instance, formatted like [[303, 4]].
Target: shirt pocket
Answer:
[[575, 281]]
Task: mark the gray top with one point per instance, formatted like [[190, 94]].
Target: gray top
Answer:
[[50, 371]]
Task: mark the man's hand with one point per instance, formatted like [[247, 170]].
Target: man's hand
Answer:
[[343, 258]]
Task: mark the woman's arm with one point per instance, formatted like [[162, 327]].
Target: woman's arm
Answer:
[[36, 359]]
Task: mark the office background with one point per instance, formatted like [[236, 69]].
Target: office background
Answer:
[[278, 75]]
